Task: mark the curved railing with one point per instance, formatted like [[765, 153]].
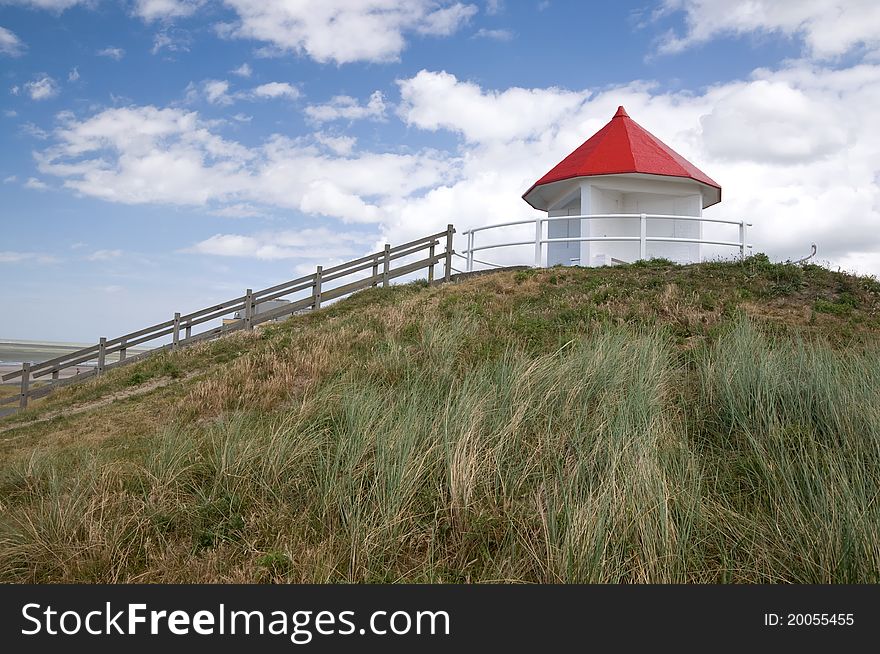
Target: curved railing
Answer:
[[643, 239]]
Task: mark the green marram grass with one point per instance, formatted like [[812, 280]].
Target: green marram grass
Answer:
[[506, 430]]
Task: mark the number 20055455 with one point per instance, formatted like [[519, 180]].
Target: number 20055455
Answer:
[[808, 619]]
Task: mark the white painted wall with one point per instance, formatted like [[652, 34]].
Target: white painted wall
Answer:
[[678, 206], [605, 253], [626, 195], [568, 253]]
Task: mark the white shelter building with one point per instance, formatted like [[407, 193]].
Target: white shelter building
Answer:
[[621, 196], [623, 169]]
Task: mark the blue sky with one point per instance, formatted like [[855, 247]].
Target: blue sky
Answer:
[[160, 155]]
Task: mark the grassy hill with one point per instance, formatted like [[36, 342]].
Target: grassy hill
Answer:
[[646, 423]]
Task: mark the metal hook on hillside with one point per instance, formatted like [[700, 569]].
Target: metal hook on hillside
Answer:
[[807, 258]]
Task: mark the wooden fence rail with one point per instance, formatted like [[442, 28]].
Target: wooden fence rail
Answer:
[[180, 327]]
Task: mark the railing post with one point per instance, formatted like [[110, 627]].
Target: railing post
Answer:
[[55, 374], [25, 385], [175, 333], [470, 257], [742, 239], [248, 308], [386, 265], [189, 328], [102, 354], [643, 237], [450, 230], [431, 267], [316, 293], [538, 242], [122, 350]]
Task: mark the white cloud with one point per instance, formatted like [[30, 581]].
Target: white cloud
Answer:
[[446, 21], [494, 7], [341, 145], [35, 184], [33, 130], [163, 155], [112, 53], [241, 210], [343, 31], [15, 257], [151, 10], [320, 244], [171, 40], [773, 121], [73, 75], [244, 70], [829, 28], [52, 5], [345, 107], [216, 91], [274, 90], [104, 255], [149, 155], [41, 88], [494, 35], [10, 179], [10, 44], [440, 101]]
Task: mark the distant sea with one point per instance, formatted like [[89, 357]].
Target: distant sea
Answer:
[[14, 352]]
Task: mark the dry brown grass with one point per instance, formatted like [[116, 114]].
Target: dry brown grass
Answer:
[[8, 390]]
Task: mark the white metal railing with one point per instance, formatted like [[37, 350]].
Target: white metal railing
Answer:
[[643, 239]]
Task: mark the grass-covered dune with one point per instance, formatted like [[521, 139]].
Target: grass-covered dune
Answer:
[[646, 423]]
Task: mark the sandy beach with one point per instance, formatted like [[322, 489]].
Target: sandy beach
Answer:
[[14, 352], [69, 372]]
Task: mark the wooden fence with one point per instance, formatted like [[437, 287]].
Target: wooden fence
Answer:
[[181, 327]]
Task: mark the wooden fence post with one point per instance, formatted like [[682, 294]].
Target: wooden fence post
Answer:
[[386, 266], [175, 333], [25, 385], [431, 266], [55, 374], [123, 350], [248, 308], [450, 230], [189, 328], [102, 354], [376, 271], [316, 293]]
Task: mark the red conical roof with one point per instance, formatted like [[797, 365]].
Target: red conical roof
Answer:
[[623, 146]]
